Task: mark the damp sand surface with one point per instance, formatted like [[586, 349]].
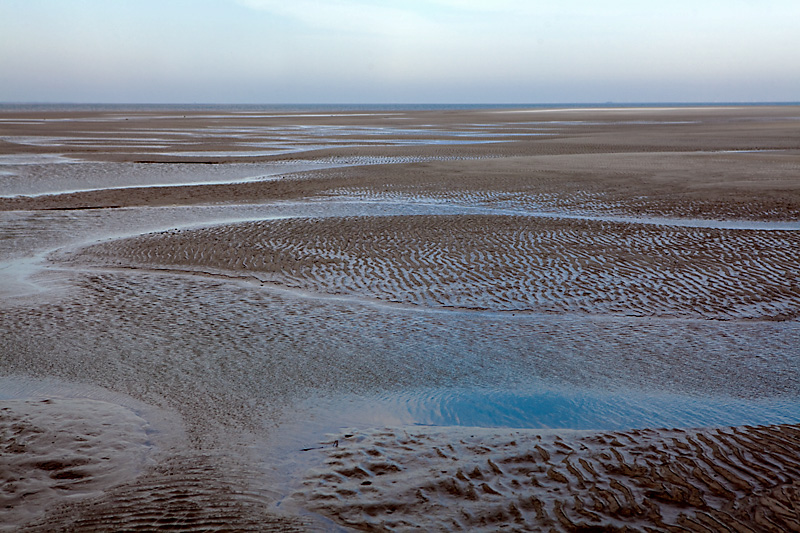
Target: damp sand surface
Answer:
[[57, 450], [473, 479], [499, 263], [401, 320]]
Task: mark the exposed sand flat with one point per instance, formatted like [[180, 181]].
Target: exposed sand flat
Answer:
[[752, 185], [242, 271], [495, 263], [713, 185], [422, 479], [708, 163], [56, 450]]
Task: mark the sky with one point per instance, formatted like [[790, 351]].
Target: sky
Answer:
[[416, 51]]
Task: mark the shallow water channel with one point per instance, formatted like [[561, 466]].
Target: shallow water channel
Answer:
[[548, 407]]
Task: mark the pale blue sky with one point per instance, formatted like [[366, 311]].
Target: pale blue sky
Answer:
[[432, 51]]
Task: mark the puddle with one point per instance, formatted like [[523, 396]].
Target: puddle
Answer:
[[35, 159], [41, 179]]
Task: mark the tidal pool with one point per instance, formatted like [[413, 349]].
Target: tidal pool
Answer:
[[561, 408], [545, 406]]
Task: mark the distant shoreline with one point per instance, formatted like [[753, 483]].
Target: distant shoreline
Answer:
[[66, 106]]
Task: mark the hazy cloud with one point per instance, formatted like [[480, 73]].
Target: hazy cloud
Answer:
[[411, 50], [349, 16]]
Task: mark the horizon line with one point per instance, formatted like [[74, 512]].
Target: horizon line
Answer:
[[408, 104]]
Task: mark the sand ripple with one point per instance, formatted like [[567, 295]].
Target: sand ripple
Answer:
[[733, 479], [500, 263], [192, 493], [56, 450]]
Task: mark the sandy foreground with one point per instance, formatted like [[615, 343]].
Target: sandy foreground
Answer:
[[217, 320]]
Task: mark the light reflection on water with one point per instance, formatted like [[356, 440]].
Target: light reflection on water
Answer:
[[553, 408]]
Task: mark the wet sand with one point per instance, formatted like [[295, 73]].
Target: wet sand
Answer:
[[733, 479], [492, 262], [236, 270], [61, 449]]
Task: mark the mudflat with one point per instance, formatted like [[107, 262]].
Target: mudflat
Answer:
[[234, 308]]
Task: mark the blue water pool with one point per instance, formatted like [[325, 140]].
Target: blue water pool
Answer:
[[555, 408]]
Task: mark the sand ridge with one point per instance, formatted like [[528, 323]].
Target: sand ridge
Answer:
[[498, 263]]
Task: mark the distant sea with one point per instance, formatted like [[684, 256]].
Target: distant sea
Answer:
[[355, 107]]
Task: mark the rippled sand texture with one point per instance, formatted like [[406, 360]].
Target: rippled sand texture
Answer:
[[240, 271], [739, 479], [63, 449], [498, 263], [187, 494]]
